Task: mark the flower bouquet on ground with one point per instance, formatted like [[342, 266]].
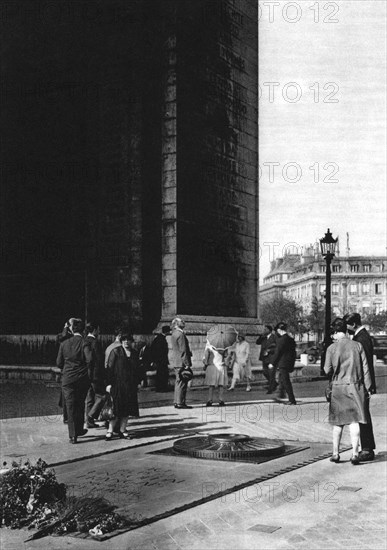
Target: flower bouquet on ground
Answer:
[[31, 497], [27, 492]]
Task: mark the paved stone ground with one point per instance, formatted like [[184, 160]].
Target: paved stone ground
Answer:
[[321, 505], [20, 400]]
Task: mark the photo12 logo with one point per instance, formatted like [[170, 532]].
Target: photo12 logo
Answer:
[[271, 491], [293, 172], [293, 92], [293, 12]]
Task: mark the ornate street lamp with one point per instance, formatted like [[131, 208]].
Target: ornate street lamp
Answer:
[[328, 248]]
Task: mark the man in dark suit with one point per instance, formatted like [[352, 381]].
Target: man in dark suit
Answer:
[[159, 356], [65, 335], [96, 370], [181, 361], [75, 380], [267, 341], [284, 358], [360, 334]]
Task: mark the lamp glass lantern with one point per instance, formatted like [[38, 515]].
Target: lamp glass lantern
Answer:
[[328, 244]]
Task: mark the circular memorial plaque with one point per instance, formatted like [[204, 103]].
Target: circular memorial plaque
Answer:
[[226, 446]]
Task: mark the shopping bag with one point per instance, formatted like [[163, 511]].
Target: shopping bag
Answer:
[[107, 409]]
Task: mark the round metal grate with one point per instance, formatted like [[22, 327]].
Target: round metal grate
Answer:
[[226, 446]]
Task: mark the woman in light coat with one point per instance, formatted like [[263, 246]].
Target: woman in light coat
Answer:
[[347, 366], [242, 365], [216, 372]]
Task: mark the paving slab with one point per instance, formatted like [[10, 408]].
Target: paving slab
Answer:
[[306, 505], [145, 485]]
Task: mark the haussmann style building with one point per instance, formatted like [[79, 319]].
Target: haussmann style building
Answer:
[[359, 283]]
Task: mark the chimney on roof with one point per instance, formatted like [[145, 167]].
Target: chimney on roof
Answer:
[[347, 250], [316, 250], [307, 254]]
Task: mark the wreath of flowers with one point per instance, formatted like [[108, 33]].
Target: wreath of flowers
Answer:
[[31, 497]]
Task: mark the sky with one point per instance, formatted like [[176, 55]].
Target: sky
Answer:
[[322, 117]]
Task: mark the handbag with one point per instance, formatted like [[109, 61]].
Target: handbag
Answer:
[[107, 409], [328, 392]]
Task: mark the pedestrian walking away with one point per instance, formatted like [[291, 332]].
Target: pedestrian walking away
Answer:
[[346, 365], [360, 334], [283, 359], [75, 380], [64, 335]]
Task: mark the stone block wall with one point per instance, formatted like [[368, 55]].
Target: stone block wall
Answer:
[[142, 191], [210, 161]]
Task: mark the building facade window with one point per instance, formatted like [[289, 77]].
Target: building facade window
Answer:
[[378, 288], [354, 268], [336, 268], [322, 289], [365, 288], [335, 288], [367, 268], [378, 308], [353, 288], [323, 268]]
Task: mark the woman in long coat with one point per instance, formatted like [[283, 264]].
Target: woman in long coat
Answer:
[[122, 384], [346, 364], [242, 364], [216, 372]]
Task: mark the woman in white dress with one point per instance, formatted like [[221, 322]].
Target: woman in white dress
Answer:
[[216, 372]]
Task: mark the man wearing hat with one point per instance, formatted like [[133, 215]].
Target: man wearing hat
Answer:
[[360, 334], [283, 359]]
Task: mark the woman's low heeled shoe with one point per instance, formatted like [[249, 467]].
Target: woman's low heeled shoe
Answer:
[[124, 435], [355, 460], [108, 436], [335, 458]]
